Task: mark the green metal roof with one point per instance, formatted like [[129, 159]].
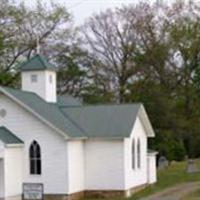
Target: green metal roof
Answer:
[[65, 100], [37, 62], [105, 120], [78, 121], [49, 111], [7, 137]]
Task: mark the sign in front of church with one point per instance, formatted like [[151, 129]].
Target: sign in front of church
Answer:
[[33, 191]]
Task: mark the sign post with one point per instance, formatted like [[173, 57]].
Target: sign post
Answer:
[[33, 191]]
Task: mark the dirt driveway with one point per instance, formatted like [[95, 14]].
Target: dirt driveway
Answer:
[[175, 193]]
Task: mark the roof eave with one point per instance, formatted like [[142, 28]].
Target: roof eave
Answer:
[[13, 145], [154, 153], [77, 138], [41, 69], [146, 122], [101, 138]]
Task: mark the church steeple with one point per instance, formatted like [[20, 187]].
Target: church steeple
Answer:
[[39, 76]]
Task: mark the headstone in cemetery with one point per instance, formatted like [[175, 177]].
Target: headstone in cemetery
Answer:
[[163, 162], [33, 191], [192, 167]]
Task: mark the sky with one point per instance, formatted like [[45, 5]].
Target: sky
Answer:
[[81, 9], [85, 8]]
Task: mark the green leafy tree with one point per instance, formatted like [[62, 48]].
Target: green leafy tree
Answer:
[[20, 27]]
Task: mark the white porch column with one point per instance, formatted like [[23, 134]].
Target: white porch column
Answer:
[[13, 170]]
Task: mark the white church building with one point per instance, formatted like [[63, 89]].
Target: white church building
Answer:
[[73, 150]]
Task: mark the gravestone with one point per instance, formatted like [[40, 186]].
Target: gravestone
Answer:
[[192, 167], [163, 162]]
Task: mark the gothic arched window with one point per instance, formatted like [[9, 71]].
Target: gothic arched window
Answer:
[[133, 154], [138, 153], [35, 158]]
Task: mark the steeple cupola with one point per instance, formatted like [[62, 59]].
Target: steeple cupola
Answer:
[[39, 76]]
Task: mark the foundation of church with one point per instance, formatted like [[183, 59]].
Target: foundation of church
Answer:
[[107, 194]]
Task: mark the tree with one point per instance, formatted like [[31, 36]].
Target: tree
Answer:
[[110, 38], [73, 69], [150, 53], [21, 26]]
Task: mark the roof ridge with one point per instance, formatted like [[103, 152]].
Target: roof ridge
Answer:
[[41, 58], [45, 61], [96, 105]]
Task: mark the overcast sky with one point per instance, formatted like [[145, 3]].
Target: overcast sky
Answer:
[[82, 9]]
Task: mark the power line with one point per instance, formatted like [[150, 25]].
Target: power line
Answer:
[[77, 4]]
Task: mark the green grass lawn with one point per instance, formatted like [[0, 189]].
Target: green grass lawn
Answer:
[[173, 175]]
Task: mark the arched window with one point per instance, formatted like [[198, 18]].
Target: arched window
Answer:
[[138, 154], [35, 158], [133, 154]]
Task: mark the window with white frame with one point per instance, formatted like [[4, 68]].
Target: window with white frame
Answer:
[[138, 153], [35, 158], [34, 78], [133, 154]]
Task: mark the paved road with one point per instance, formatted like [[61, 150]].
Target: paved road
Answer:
[[175, 193]]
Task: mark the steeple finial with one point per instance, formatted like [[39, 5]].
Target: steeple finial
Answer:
[[38, 45]]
